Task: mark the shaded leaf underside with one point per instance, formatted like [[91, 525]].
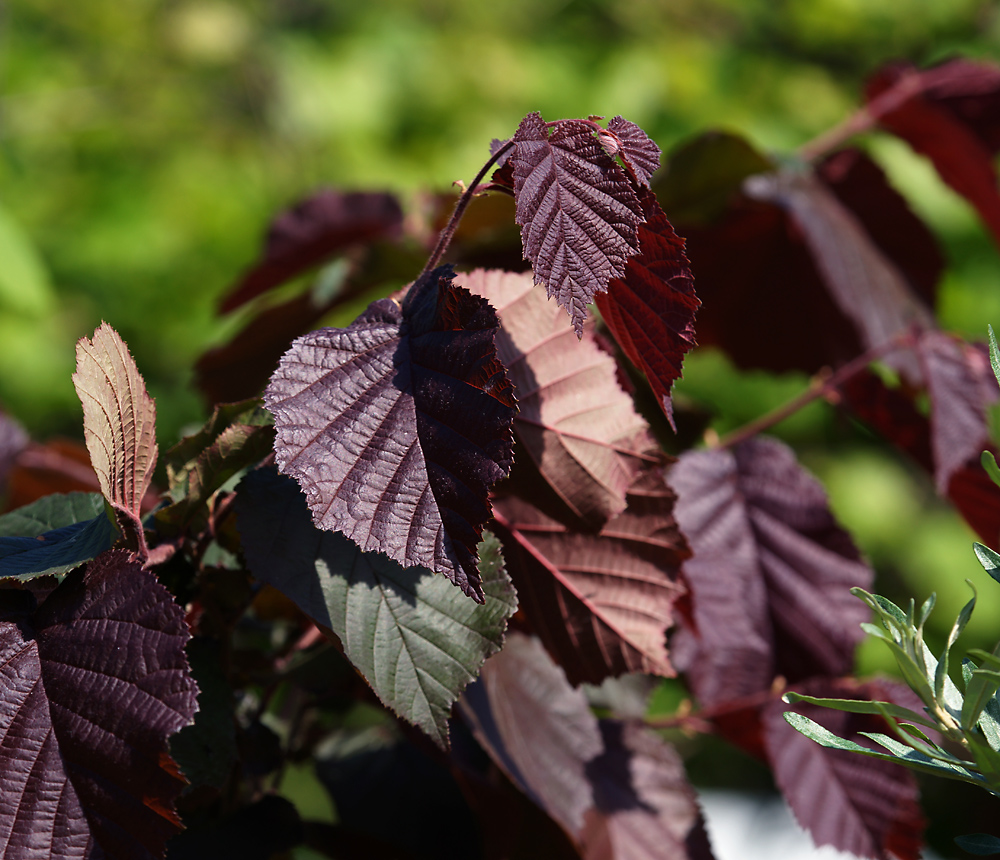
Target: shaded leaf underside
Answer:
[[416, 639]]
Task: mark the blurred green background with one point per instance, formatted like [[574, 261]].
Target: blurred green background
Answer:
[[145, 144]]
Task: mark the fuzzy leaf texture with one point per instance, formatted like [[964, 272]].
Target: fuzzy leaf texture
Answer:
[[616, 789], [651, 309], [769, 575], [397, 426], [93, 683], [577, 209], [119, 418], [601, 602], [579, 428], [416, 639]]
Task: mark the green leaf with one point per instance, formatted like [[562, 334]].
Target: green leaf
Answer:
[[54, 535], [990, 465], [902, 754], [982, 844], [980, 687], [415, 637], [987, 760], [994, 353], [856, 706], [235, 437], [988, 559], [941, 672]]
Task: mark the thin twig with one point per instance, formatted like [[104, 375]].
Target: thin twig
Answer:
[[824, 384]]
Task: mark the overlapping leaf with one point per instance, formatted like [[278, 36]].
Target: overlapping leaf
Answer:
[[947, 113], [397, 426], [617, 790], [601, 603], [415, 638], [640, 155], [95, 681], [866, 807], [651, 310], [767, 299], [312, 231], [54, 535], [119, 419], [866, 285], [577, 209], [769, 575], [579, 428]]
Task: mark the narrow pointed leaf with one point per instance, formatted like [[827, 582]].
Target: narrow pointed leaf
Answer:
[[579, 428], [650, 310], [397, 427], [95, 681], [770, 572], [855, 804], [981, 844], [119, 418], [616, 789], [859, 706], [989, 559], [417, 640], [577, 210], [602, 603]]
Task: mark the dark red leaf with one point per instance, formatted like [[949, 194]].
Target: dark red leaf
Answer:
[[397, 427], [577, 211], [602, 603], [312, 231], [651, 310], [617, 790], [960, 383], [769, 576], [640, 154], [95, 682], [857, 804], [865, 283], [765, 301], [949, 114], [579, 428]]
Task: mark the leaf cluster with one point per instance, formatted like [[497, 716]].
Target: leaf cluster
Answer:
[[402, 553]]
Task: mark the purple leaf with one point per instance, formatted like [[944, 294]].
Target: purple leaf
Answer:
[[770, 574], [312, 231], [397, 426], [651, 310], [639, 153], [961, 386], [577, 210], [579, 428], [602, 603], [857, 804], [94, 681], [617, 790]]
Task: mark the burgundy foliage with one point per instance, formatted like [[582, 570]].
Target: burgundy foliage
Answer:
[[578, 211], [639, 154], [784, 606], [601, 603], [400, 454], [617, 790], [856, 804], [94, 680], [949, 114], [313, 231], [650, 311]]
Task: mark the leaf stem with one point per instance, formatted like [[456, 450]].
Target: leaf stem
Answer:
[[862, 120], [823, 384], [444, 240]]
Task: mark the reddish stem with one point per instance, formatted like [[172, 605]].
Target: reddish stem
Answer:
[[824, 384], [444, 240]]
